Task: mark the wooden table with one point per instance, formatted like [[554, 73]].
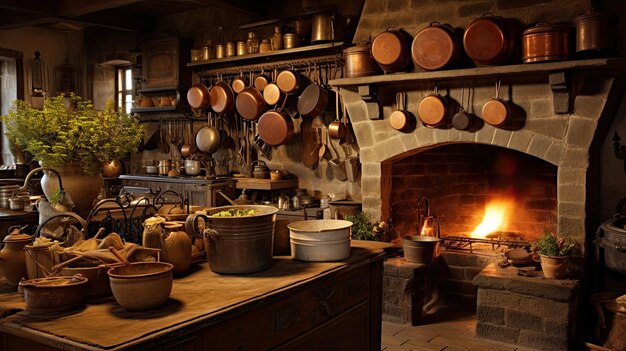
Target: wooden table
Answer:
[[293, 305]]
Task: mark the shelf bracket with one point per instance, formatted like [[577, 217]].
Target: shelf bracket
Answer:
[[369, 96], [561, 96]]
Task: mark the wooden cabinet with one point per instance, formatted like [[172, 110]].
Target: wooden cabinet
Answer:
[[292, 306], [164, 64]]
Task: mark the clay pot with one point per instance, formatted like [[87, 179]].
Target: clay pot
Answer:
[[12, 258], [82, 188], [177, 249], [53, 294], [554, 267]]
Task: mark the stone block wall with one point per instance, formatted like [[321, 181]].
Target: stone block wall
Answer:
[[404, 290], [532, 312], [456, 279]]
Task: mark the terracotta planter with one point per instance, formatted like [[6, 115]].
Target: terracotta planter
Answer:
[[554, 267], [82, 188]]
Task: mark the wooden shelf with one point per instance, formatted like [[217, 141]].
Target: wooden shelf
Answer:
[[482, 72], [153, 109], [304, 52], [556, 73], [265, 184]]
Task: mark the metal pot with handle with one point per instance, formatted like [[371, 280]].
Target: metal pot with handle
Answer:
[[208, 137]]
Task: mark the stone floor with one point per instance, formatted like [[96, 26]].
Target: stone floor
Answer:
[[449, 331]]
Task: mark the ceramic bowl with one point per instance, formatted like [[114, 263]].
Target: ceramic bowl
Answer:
[[141, 285]]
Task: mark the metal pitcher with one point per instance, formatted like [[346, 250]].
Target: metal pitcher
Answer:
[[322, 28]]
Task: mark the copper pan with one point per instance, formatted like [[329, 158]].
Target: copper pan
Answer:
[[433, 110], [275, 127], [391, 49], [314, 98], [222, 98], [489, 40], [198, 96], [401, 119], [250, 104], [337, 129], [272, 94], [435, 47], [496, 111], [289, 81], [239, 84]]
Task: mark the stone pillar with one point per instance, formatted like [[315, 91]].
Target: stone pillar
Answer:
[[404, 290]]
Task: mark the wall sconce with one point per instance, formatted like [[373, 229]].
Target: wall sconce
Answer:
[[38, 76]]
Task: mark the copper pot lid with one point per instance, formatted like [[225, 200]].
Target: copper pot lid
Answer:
[[275, 127], [542, 28], [484, 40], [288, 81], [433, 48], [250, 104], [221, 97], [272, 94], [432, 110], [387, 48]]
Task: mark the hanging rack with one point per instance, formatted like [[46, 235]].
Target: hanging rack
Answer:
[[298, 64]]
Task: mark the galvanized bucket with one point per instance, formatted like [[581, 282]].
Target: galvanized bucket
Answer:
[[238, 245], [419, 248]]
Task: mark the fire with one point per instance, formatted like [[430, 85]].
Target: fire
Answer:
[[496, 216]]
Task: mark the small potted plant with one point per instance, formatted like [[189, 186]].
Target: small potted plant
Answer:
[[554, 252]]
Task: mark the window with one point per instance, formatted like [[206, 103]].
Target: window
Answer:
[[125, 88]]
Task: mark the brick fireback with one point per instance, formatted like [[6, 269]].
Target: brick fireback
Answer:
[[459, 179]]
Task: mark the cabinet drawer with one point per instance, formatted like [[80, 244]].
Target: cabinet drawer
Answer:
[[291, 315]]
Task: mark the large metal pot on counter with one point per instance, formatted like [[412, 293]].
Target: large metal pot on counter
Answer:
[[238, 238], [320, 240]]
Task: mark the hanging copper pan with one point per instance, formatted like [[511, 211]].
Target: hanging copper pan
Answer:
[[275, 127], [401, 119], [272, 94], [239, 84], [496, 111], [337, 129], [222, 98], [288, 81], [198, 96], [250, 104], [433, 110], [314, 98]]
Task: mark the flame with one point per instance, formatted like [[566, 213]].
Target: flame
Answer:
[[496, 215]]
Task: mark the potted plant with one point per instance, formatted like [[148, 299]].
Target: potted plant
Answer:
[[554, 253], [74, 139]]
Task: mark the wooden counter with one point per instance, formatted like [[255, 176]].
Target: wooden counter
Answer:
[[293, 305]]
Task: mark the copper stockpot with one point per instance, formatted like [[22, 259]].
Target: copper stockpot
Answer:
[[359, 61], [250, 104], [595, 33], [391, 49], [547, 42], [489, 40], [435, 47]]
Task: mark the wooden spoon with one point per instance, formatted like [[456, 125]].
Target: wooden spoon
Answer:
[[320, 139]]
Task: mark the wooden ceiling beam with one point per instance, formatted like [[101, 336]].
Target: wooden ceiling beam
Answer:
[[77, 8]]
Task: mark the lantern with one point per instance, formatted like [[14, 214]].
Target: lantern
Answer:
[[37, 76]]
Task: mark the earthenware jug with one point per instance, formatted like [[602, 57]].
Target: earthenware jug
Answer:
[[177, 248], [12, 256]]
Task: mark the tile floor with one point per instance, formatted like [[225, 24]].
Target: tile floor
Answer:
[[454, 331]]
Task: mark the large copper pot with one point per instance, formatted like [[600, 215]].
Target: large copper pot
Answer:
[[489, 40], [435, 47], [547, 42], [595, 33], [391, 49], [359, 61]]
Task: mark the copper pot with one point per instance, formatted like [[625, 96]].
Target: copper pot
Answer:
[[595, 33], [288, 81], [547, 42], [435, 47], [322, 28], [239, 84], [489, 40], [337, 129], [359, 61], [433, 110], [391, 50]]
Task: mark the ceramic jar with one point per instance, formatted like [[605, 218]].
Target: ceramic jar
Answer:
[[277, 39], [177, 248], [12, 256], [153, 232]]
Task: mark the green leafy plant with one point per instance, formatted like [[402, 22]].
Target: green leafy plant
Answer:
[[362, 229], [61, 134], [550, 245]]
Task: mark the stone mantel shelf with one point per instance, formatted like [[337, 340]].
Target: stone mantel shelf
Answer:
[[557, 72]]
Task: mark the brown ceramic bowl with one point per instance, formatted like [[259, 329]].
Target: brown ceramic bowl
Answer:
[[141, 285], [53, 294]]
